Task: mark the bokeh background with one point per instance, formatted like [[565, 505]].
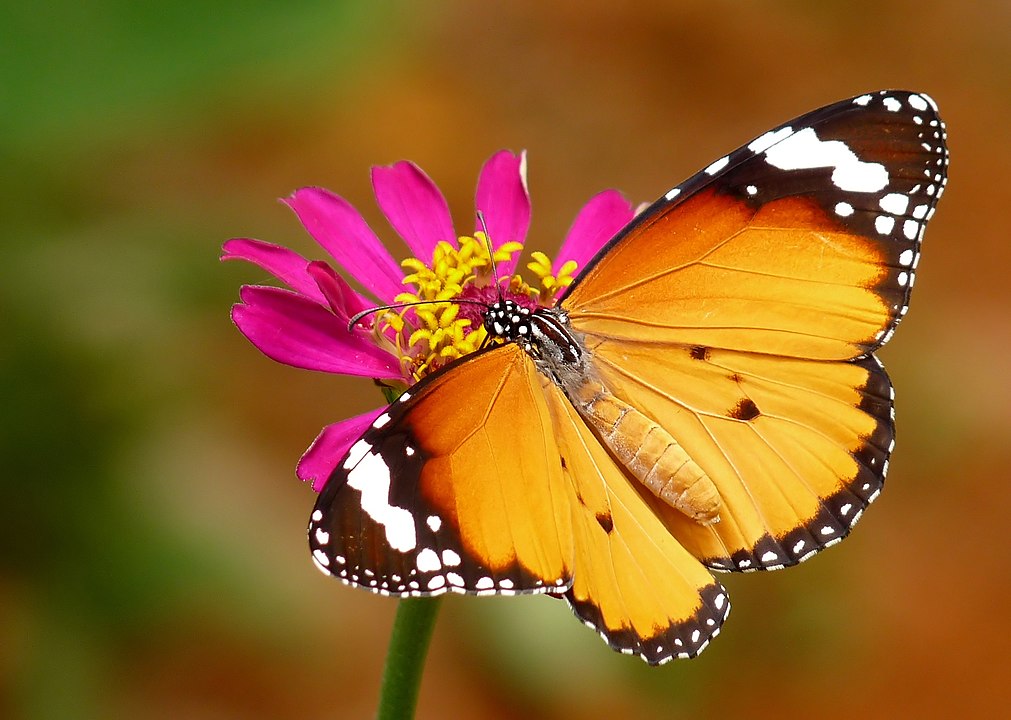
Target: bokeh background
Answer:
[[153, 559]]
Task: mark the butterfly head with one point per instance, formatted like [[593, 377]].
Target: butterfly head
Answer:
[[544, 334], [508, 321]]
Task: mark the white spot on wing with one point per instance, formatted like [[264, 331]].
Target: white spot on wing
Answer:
[[434, 522], [371, 477], [804, 150], [718, 165], [895, 203], [450, 558], [766, 141], [356, 453], [884, 224], [428, 561]]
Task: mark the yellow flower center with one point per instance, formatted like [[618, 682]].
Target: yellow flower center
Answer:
[[433, 334]]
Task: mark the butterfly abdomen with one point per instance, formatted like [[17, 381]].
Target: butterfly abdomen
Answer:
[[642, 446], [649, 452]]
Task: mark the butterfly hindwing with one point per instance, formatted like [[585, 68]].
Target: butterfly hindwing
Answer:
[[633, 582], [448, 492], [796, 448]]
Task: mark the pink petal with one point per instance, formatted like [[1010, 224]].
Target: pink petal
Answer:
[[338, 227], [503, 198], [600, 219], [330, 446], [293, 330], [341, 298], [414, 206], [284, 264]]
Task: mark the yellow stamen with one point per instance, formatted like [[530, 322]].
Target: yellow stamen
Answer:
[[550, 284], [431, 335]]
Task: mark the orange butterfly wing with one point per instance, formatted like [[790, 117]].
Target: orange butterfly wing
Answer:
[[738, 312], [632, 582], [483, 479], [448, 491], [796, 448]]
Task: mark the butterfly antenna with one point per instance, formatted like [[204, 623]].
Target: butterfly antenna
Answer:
[[491, 253], [356, 318]]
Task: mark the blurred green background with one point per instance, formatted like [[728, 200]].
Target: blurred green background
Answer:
[[153, 559]]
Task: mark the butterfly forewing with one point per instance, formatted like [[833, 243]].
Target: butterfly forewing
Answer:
[[449, 492], [802, 243]]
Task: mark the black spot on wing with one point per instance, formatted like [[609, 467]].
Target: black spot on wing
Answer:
[[605, 522], [744, 410]]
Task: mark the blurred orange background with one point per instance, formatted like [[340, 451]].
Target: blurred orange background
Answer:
[[153, 557]]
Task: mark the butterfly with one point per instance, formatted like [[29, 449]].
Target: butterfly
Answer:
[[703, 397]]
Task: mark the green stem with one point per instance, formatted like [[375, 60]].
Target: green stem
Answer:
[[405, 658]]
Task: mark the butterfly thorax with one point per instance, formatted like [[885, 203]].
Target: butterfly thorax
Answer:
[[545, 334], [642, 445]]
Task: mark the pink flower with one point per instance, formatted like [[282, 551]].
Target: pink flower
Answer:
[[306, 326]]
